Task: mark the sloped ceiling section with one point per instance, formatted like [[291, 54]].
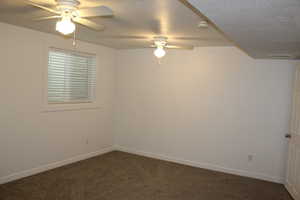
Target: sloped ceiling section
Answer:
[[262, 28]]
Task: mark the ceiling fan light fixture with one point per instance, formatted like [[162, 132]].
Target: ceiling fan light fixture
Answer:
[[65, 26], [159, 52]]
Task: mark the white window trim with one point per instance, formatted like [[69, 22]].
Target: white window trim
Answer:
[[57, 107]]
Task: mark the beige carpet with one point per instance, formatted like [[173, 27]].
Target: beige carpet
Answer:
[[122, 176]]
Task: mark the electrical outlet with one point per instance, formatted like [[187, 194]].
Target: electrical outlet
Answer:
[[250, 158]]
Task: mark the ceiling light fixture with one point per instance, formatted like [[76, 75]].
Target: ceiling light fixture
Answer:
[[65, 26], [160, 43], [159, 52]]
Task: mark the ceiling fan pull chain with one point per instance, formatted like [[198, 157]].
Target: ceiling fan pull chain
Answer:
[[74, 39], [159, 61]]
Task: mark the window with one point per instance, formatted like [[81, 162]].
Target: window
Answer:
[[71, 77]]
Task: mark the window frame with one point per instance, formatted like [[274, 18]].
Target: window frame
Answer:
[[68, 106], [91, 88]]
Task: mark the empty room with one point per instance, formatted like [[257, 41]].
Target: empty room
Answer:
[[149, 100]]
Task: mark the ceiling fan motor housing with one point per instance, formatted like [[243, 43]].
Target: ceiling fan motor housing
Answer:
[[68, 7], [69, 3], [160, 41]]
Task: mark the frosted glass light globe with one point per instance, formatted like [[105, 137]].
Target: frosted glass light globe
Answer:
[[159, 52], [65, 26]]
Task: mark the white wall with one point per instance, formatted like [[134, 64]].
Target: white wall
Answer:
[[30, 137], [210, 107]]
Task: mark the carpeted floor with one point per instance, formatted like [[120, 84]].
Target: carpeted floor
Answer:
[[123, 176]]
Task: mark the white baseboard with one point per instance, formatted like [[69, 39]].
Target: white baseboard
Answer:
[[43, 168], [201, 165], [46, 167]]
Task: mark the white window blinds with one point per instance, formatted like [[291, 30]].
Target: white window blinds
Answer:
[[71, 76]]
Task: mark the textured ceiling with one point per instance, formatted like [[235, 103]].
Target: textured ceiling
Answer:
[[139, 19], [263, 28]]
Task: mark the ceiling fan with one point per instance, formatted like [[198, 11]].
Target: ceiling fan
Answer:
[[68, 12], [160, 44]]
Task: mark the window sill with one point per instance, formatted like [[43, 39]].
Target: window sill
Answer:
[[70, 107]]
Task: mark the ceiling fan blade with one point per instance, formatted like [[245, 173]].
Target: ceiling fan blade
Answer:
[[101, 11], [89, 24], [179, 47], [42, 7], [125, 37], [46, 18], [195, 38]]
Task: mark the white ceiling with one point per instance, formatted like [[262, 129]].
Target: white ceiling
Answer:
[[260, 27], [141, 19]]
